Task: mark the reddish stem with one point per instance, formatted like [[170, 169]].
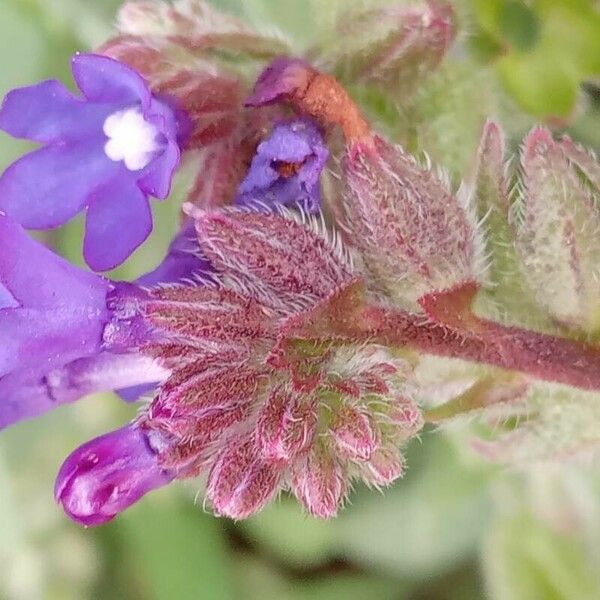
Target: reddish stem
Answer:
[[542, 356]]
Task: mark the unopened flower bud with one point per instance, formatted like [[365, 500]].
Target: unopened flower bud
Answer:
[[240, 483], [405, 416], [413, 233], [102, 478], [384, 467], [319, 483], [354, 433], [286, 425], [557, 236], [394, 44]]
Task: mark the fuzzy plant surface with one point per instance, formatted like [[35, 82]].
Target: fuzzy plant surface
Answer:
[[333, 288]]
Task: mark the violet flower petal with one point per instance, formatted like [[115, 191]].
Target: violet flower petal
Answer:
[[47, 187], [105, 80], [36, 277], [156, 178], [290, 142], [23, 396], [286, 168], [59, 311], [108, 151], [106, 475], [118, 221], [48, 112]]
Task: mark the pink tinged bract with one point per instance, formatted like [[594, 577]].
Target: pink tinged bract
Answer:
[[412, 231], [240, 483], [354, 433], [319, 483], [286, 425], [277, 260]]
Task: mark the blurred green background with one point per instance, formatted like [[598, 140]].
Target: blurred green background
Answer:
[[454, 528]]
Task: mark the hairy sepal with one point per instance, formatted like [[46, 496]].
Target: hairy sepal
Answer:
[[558, 235], [275, 259], [413, 233], [393, 46]]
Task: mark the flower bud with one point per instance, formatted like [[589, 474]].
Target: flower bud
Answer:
[[318, 481], [194, 25], [413, 233], [584, 160], [384, 467], [107, 475], [240, 484], [502, 280], [285, 426], [405, 416], [395, 44], [354, 433], [557, 236]]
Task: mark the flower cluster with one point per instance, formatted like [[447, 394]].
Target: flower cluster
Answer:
[[317, 265]]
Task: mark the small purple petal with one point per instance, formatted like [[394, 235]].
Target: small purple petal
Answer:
[[118, 221], [61, 311], [291, 142], [104, 80], [157, 176], [286, 168], [48, 112], [7, 300], [49, 186], [102, 478], [36, 277], [38, 340], [281, 77]]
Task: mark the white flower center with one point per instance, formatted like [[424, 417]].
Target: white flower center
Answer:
[[130, 138]]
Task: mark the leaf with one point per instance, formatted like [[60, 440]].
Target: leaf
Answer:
[[175, 551], [285, 532], [426, 525], [526, 559], [550, 47]]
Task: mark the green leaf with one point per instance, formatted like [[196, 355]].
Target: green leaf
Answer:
[[526, 559], [519, 24], [286, 533], [425, 525], [173, 550], [551, 47]]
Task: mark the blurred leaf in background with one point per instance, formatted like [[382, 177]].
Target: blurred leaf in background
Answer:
[[544, 50]]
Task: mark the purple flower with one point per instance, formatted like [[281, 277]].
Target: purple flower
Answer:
[[61, 329], [107, 475], [286, 168], [106, 151], [23, 396]]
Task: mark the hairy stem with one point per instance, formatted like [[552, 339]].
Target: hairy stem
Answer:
[[539, 355]]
